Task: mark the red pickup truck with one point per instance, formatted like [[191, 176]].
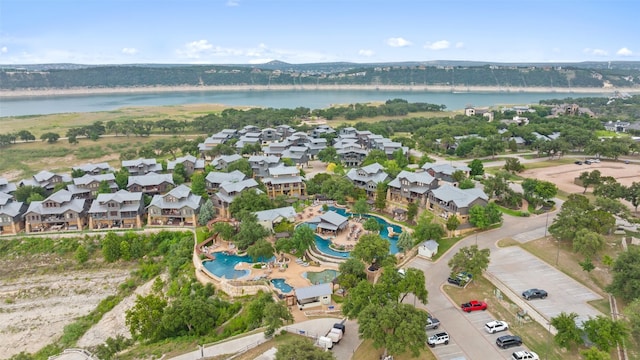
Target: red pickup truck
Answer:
[[474, 305]]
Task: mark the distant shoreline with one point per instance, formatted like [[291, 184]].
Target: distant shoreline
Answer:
[[228, 88]]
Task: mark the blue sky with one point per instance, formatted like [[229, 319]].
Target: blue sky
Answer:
[[305, 31]]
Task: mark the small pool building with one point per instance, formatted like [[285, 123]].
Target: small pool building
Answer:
[[315, 295]]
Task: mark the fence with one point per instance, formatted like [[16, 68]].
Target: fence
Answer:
[[81, 352]]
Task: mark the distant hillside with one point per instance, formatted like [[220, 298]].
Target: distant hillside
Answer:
[[447, 73]]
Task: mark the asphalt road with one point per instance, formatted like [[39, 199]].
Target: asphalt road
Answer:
[[518, 270]]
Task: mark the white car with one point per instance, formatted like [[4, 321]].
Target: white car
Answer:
[[525, 355], [494, 326]]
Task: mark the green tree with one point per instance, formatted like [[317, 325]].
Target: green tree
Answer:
[[405, 241], [588, 243], [372, 225], [303, 239], [513, 165], [241, 165], [571, 218], [23, 193], [198, 186], [144, 319], [452, 223], [605, 332], [477, 168], [470, 259], [360, 207], [104, 187], [50, 137], [81, 254], [375, 156], [466, 184], [427, 230], [633, 195], [568, 333], [351, 272], [329, 155], [632, 313], [224, 230], [412, 211], [249, 201], [381, 196], [371, 248], [497, 186], [179, 174], [593, 353], [249, 232], [592, 178], [626, 275], [111, 247], [207, 212], [275, 314], [261, 249], [122, 178], [302, 349]]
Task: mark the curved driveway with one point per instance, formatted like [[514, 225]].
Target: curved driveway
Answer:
[[516, 270]]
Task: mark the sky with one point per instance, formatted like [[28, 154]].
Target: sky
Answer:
[[311, 31]]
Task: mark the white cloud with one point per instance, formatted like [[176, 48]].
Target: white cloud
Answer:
[[438, 45], [195, 49], [4, 50], [365, 52], [398, 42], [597, 52], [233, 3], [624, 52], [129, 51], [459, 45]]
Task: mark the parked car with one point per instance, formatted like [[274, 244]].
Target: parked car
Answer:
[[578, 162], [437, 339], [588, 162], [524, 355], [335, 335], [474, 305], [507, 341], [432, 323], [340, 326], [495, 326], [325, 342], [460, 279], [534, 294]]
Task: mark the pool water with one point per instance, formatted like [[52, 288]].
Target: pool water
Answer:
[[282, 285], [321, 277], [323, 245], [224, 265]]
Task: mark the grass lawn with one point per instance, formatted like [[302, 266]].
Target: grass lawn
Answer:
[[366, 351]]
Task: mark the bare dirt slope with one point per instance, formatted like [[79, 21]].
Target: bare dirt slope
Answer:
[[35, 308]]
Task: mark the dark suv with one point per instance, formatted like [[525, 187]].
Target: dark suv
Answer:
[[534, 294], [508, 341]]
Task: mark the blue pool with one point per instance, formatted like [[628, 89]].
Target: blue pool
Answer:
[[282, 285], [323, 245], [224, 265]]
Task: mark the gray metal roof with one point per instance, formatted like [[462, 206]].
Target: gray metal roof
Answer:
[[334, 218], [181, 193], [430, 244], [313, 291], [287, 212], [415, 179], [460, 197], [150, 179], [198, 163], [215, 177], [88, 179], [63, 198]]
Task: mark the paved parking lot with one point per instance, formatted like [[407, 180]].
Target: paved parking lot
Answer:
[[519, 271]]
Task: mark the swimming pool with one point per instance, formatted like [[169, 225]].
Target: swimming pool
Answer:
[[323, 245], [321, 277], [282, 285], [224, 265]]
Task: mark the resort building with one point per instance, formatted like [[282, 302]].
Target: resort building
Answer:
[[284, 180], [191, 164], [122, 209], [268, 218], [86, 187], [330, 223], [151, 184], [178, 207], [46, 180], [449, 200], [222, 162], [141, 166], [444, 172], [410, 187], [368, 177], [60, 211], [94, 169], [260, 164], [228, 191], [7, 187], [313, 296], [11, 211], [214, 179]]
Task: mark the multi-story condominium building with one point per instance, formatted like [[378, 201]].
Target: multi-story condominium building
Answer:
[[410, 187], [260, 164], [191, 164], [284, 180], [228, 191], [448, 200], [94, 169], [86, 187], [60, 211], [151, 184], [214, 179], [122, 209], [222, 162], [297, 154], [444, 172], [178, 207], [46, 180], [7, 187], [368, 177], [141, 166], [11, 221]]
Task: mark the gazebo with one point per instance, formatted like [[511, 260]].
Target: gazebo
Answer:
[[331, 222]]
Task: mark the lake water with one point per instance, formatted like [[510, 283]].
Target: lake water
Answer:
[[313, 99]]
